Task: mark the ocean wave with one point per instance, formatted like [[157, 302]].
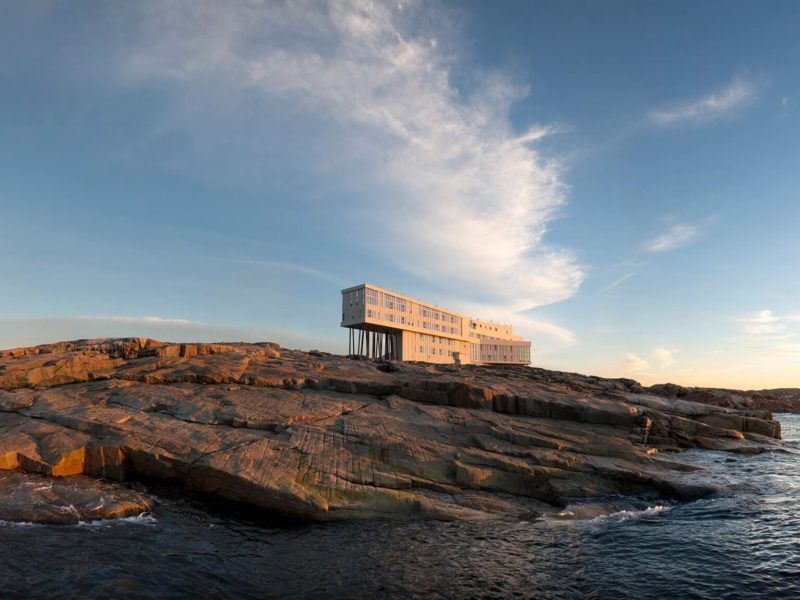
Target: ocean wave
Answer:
[[627, 515], [18, 524], [144, 518]]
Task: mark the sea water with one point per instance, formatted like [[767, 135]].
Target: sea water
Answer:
[[742, 543]]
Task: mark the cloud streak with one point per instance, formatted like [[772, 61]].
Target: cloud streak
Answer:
[[618, 282], [296, 268], [721, 103], [449, 190], [140, 320], [677, 236]]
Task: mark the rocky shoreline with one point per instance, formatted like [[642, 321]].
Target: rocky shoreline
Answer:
[[323, 437]]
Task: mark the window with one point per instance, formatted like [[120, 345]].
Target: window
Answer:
[[372, 297]]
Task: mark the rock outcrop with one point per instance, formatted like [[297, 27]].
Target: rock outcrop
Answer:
[[324, 437], [779, 400], [33, 498]]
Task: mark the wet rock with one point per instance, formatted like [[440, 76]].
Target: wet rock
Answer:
[[29, 498], [691, 491]]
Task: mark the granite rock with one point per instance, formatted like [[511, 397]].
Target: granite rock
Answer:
[[324, 437]]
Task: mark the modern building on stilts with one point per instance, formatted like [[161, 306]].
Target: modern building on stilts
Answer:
[[386, 325]]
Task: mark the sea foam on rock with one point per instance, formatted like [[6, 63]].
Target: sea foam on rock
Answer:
[[35, 498]]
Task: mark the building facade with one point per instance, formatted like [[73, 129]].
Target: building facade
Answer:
[[384, 324]]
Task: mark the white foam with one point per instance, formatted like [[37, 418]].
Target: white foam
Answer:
[[18, 524], [144, 518], [626, 515]]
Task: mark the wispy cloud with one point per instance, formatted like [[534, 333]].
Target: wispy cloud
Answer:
[[676, 236], [619, 281], [531, 325], [636, 363], [767, 324], [785, 104], [721, 103], [771, 337], [142, 320], [449, 189], [665, 356], [297, 268]]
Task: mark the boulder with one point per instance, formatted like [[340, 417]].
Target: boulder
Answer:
[[26, 498]]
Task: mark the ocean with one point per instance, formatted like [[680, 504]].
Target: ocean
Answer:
[[742, 543]]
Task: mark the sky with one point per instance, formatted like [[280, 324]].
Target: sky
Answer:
[[617, 179]]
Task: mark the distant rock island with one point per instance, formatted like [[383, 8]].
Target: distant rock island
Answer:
[[322, 437]]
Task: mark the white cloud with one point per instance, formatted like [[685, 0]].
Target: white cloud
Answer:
[[765, 323], [676, 236], [635, 363], [772, 338], [619, 281], [536, 327], [720, 103], [450, 191], [665, 356]]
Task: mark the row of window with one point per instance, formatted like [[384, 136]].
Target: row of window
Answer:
[[432, 313], [394, 303], [389, 301], [498, 352], [435, 339], [475, 325], [356, 297], [431, 351], [404, 320]]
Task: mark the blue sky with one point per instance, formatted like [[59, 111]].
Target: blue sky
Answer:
[[619, 179]]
